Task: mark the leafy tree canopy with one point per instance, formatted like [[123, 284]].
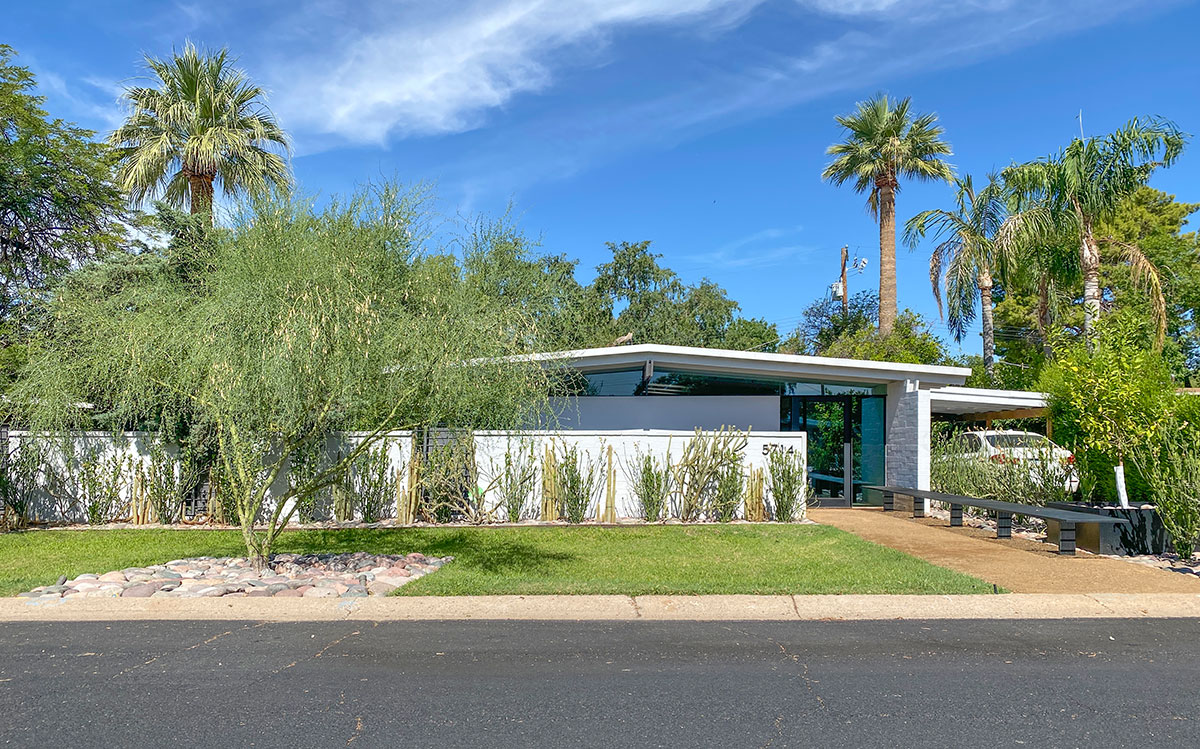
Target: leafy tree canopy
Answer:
[[824, 322], [911, 341], [1155, 222], [290, 325], [58, 204], [633, 297]]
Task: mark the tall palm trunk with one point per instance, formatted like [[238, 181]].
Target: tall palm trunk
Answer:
[[200, 188], [989, 330], [887, 254], [1089, 261], [1043, 315]]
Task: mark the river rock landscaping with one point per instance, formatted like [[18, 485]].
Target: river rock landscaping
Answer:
[[353, 575]]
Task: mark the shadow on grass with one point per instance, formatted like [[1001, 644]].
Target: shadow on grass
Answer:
[[490, 553]]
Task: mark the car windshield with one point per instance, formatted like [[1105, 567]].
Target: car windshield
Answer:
[[1018, 441]]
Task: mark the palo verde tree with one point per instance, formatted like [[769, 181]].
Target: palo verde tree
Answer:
[[298, 324], [884, 143], [202, 122]]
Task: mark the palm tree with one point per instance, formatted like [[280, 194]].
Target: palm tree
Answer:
[[973, 243], [1085, 182], [203, 121], [884, 142]]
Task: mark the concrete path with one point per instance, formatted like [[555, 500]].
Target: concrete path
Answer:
[[929, 684], [609, 608], [1019, 565]]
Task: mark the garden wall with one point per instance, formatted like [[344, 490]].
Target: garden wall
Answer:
[[491, 447], [125, 461]]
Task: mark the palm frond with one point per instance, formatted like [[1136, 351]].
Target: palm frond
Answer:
[[201, 117]]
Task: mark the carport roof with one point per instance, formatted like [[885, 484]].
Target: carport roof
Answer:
[[963, 401]]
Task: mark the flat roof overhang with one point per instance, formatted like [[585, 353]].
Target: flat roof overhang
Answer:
[[785, 367], [983, 403]]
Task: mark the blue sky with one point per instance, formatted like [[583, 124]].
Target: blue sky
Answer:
[[698, 124]]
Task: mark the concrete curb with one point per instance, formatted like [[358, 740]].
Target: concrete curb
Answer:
[[612, 608]]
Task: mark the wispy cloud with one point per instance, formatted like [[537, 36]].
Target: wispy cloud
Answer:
[[95, 102], [885, 42], [760, 249], [418, 73]]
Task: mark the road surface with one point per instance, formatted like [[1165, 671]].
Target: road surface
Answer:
[[635, 684]]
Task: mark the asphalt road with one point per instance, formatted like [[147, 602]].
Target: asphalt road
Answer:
[[557, 684]]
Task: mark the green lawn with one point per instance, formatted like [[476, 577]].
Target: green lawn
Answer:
[[534, 560]]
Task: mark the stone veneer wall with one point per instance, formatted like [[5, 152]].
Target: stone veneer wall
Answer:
[[908, 435]]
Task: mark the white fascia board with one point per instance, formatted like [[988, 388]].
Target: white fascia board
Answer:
[[962, 400], [780, 366]]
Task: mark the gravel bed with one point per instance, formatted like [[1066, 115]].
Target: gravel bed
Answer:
[[287, 575]]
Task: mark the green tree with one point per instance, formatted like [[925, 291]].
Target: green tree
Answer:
[[751, 334], [652, 305], [58, 203], [1153, 221], [1039, 302], [503, 266], [885, 142], [973, 243], [297, 324], [911, 341], [1109, 393], [202, 122], [1085, 183], [824, 322]]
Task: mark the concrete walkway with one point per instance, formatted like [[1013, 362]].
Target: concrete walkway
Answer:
[[608, 608], [1019, 565]]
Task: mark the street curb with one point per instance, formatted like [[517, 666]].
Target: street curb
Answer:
[[610, 608]]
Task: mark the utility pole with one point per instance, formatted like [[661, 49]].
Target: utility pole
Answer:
[[845, 291]]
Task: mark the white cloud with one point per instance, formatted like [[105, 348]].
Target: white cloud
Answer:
[[758, 250], [419, 75]]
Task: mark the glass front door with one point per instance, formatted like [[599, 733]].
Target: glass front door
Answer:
[[845, 443]]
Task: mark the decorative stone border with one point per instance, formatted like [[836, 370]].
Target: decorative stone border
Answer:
[[287, 575]]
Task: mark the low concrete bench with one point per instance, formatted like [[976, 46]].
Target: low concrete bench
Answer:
[[1004, 511]]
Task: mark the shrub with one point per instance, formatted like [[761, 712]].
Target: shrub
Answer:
[[168, 480], [305, 466], [1033, 481], [789, 491], [19, 476], [516, 482], [1171, 468], [371, 483], [449, 482], [727, 494], [700, 468], [650, 482], [101, 481], [580, 479]]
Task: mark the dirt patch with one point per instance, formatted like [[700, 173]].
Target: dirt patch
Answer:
[[1020, 565]]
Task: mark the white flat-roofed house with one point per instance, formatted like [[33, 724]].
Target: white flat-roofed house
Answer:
[[874, 417]]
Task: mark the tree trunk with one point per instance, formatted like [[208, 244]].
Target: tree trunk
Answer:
[[989, 330], [887, 257], [200, 189], [1043, 313], [1089, 261]]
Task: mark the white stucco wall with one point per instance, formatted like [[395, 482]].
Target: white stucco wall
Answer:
[[679, 412], [627, 444]]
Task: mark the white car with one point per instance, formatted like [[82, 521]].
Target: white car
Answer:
[[1016, 448]]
